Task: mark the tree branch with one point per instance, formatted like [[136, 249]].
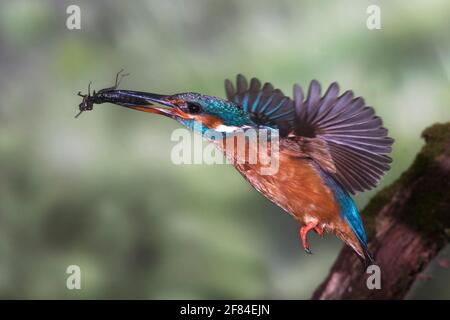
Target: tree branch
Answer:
[[407, 223]]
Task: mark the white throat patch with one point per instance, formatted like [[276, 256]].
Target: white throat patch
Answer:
[[224, 128]]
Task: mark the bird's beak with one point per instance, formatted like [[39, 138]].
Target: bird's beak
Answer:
[[168, 106]]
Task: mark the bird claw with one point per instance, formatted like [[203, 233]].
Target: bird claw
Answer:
[[303, 232], [319, 231]]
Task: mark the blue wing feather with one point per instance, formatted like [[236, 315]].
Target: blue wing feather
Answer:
[[268, 106]]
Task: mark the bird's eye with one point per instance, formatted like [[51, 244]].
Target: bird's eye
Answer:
[[194, 108]]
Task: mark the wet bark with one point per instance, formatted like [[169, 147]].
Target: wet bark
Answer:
[[408, 223]]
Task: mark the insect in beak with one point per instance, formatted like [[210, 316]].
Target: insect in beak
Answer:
[[86, 104], [142, 101]]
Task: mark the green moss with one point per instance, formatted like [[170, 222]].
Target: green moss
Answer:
[[421, 210], [375, 205], [436, 137]]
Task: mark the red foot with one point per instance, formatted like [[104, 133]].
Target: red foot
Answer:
[[319, 231], [304, 231]]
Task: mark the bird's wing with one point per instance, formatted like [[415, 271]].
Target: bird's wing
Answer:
[[354, 137], [267, 106]]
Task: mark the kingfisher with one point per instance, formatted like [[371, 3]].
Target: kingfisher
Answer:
[[330, 146]]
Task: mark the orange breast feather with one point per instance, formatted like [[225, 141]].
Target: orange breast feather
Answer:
[[296, 187]]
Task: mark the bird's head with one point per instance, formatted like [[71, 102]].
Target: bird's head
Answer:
[[253, 106], [198, 112]]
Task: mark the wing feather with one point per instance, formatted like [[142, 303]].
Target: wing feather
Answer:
[[356, 139], [266, 105], [341, 133]]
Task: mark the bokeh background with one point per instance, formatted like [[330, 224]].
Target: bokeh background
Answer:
[[101, 192]]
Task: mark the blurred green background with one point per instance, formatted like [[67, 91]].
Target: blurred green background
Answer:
[[101, 192]]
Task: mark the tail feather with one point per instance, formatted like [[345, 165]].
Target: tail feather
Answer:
[[350, 214], [369, 260]]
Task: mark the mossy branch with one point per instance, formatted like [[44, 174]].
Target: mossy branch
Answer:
[[407, 223]]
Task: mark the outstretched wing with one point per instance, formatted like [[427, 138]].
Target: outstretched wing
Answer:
[[356, 140], [267, 106]]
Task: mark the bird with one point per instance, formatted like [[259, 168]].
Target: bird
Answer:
[[331, 146]]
